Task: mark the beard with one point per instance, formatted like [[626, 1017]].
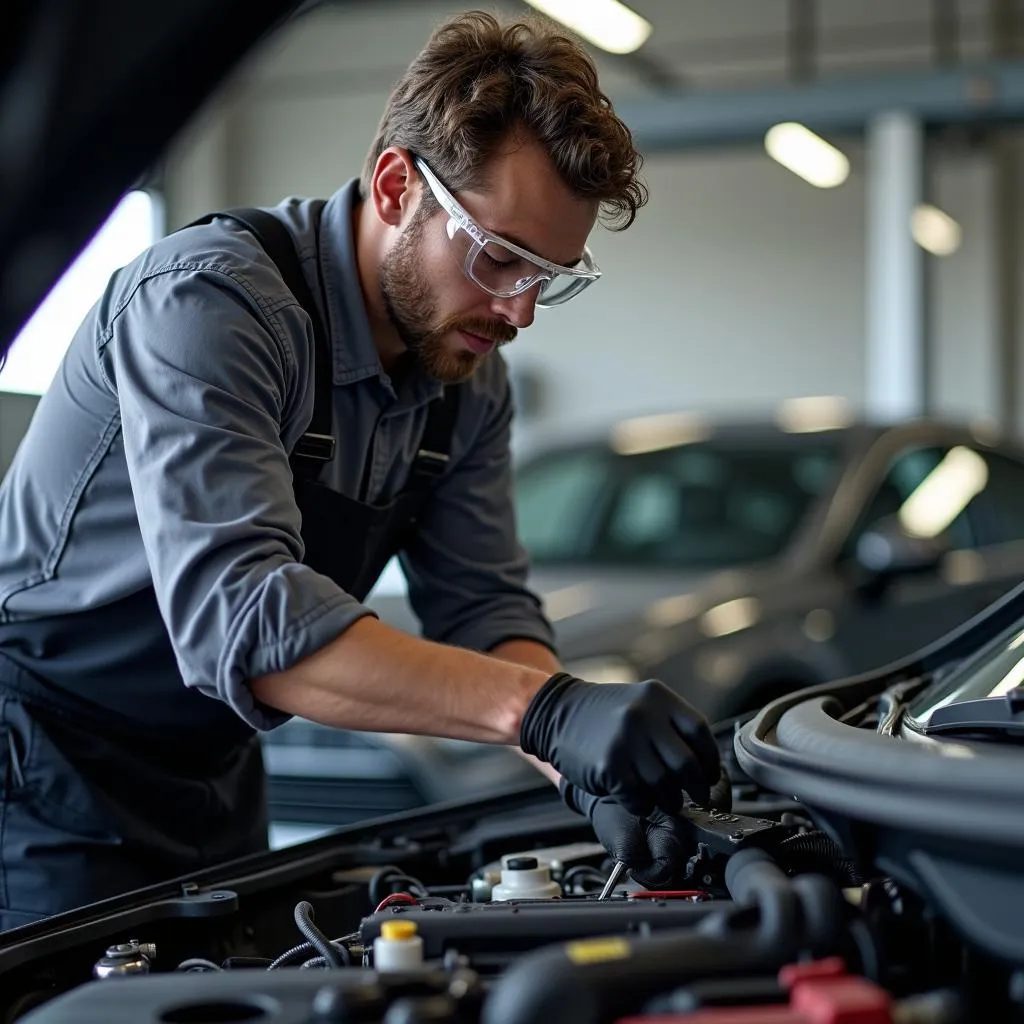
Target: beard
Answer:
[[412, 310]]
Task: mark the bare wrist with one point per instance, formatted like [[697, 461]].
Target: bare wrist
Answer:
[[513, 708]]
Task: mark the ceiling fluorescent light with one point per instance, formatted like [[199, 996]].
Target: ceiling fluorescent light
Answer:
[[731, 617], [935, 230], [658, 432], [605, 23], [944, 493], [814, 413], [807, 155]]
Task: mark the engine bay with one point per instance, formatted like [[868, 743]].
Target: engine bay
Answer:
[[493, 913], [855, 873]]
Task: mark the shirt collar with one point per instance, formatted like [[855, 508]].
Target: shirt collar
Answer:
[[355, 355]]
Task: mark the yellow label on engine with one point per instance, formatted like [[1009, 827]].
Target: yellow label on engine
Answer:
[[595, 951]]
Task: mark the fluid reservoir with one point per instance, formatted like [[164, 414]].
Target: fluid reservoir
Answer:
[[523, 878], [398, 948]]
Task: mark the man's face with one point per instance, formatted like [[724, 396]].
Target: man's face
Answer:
[[446, 321]]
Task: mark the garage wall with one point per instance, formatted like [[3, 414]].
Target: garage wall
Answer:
[[738, 286], [15, 414]]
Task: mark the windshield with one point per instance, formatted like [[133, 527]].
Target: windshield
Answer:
[[698, 506], [993, 673]]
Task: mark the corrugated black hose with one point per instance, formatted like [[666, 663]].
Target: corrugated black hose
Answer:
[[816, 851], [315, 937], [291, 955]]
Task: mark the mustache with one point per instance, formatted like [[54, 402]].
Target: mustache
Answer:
[[497, 331]]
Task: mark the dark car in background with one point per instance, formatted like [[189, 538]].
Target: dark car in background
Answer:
[[736, 561], [755, 558]]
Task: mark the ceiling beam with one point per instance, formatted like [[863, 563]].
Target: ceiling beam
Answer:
[[989, 92]]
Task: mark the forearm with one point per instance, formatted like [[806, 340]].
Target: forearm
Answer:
[[529, 652], [379, 679]]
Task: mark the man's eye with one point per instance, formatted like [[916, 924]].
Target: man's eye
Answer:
[[501, 258]]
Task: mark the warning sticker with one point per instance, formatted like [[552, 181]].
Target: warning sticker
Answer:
[[595, 951]]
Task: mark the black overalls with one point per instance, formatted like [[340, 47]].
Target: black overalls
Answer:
[[97, 802]]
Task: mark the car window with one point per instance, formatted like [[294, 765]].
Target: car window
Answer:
[[697, 506], [910, 471], [647, 512], [557, 498], [999, 512]]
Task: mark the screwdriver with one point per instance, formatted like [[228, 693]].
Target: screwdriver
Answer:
[[613, 879]]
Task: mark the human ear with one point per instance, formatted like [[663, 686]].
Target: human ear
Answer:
[[393, 186]]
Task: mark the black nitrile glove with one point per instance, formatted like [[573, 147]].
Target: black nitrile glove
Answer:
[[637, 742], [721, 793], [655, 848]]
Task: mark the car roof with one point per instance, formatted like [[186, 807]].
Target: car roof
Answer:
[[722, 432]]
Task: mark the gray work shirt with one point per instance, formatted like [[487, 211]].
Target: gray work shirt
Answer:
[[157, 464]]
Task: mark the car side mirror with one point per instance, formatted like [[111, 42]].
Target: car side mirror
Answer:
[[886, 550]]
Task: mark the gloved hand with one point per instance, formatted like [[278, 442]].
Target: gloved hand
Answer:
[[637, 742], [655, 848]]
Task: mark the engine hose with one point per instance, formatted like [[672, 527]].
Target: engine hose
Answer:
[[753, 878], [597, 981], [807, 911], [315, 937], [824, 913], [318, 961], [392, 873], [816, 850], [289, 955]]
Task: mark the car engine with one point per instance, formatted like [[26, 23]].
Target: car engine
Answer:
[[865, 870], [493, 913]]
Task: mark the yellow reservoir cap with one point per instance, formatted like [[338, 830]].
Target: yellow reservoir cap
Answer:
[[391, 930]]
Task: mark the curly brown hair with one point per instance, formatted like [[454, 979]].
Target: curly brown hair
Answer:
[[479, 81]]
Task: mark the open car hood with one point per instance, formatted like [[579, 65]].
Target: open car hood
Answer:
[[91, 93]]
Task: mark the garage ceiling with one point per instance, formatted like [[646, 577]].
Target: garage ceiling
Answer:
[[695, 45]]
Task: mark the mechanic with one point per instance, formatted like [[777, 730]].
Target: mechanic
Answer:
[[176, 527]]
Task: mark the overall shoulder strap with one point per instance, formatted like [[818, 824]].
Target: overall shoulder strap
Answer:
[[316, 445], [436, 444]]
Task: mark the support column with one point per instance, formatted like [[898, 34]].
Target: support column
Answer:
[[1005, 44], [1006, 226], [896, 370]]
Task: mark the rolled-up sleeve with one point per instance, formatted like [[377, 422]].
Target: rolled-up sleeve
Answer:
[[205, 377], [467, 572]]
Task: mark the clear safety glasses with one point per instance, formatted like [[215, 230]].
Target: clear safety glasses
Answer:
[[501, 268]]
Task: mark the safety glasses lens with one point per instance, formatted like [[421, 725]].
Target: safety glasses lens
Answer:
[[506, 273]]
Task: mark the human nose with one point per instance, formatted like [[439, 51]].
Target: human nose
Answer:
[[517, 310]]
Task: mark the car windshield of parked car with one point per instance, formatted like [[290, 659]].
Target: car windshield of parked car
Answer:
[[699, 506]]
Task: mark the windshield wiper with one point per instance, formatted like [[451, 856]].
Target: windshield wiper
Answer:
[[1003, 714]]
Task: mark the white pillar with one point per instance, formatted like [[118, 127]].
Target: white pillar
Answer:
[[895, 363]]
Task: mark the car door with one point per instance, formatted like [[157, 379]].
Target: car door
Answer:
[[880, 621]]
